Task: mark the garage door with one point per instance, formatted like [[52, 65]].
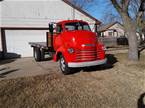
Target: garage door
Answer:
[[17, 41]]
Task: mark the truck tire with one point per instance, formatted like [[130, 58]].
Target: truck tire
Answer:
[[42, 53], [37, 54], [63, 66]]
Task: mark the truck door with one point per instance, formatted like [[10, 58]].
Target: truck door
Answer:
[[57, 37]]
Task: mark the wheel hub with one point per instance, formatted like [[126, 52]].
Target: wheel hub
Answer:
[[62, 64]]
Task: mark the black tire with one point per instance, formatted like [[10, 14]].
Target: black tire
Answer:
[[63, 66], [42, 54], [37, 54]]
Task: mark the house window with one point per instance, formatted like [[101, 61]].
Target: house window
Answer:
[[110, 33], [102, 34]]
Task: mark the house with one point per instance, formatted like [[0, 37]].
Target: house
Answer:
[[27, 21], [115, 30], [111, 30]]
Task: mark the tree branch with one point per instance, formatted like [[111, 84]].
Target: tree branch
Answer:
[[139, 13], [125, 4], [116, 5]]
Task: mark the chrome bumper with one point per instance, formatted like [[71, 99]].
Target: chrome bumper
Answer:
[[86, 64]]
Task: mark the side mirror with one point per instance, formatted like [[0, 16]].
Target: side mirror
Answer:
[[51, 28]]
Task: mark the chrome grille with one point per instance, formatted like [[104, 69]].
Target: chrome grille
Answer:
[[99, 54], [86, 55]]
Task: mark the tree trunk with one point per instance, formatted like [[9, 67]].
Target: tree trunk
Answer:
[[130, 29], [133, 46]]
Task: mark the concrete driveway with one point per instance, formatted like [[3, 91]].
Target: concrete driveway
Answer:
[[22, 67]]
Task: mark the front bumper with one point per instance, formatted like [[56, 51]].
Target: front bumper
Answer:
[[86, 64]]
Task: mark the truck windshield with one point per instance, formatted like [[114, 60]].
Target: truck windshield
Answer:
[[77, 26]]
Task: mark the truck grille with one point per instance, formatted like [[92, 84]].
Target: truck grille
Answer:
[[99, 54], [86, 55]]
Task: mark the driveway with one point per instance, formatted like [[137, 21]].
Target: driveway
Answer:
[[23, 67]]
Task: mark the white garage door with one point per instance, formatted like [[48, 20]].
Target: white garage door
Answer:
[[17, 41]]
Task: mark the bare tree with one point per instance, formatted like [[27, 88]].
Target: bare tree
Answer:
[[111, 18], [130, 24]]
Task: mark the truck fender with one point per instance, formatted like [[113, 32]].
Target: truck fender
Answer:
[[59, 51]]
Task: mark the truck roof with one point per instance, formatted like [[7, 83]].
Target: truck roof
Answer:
[[67, 21]]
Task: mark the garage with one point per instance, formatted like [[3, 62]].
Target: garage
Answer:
[[17, 41]]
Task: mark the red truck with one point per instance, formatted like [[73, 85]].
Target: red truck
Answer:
[[73, 44]]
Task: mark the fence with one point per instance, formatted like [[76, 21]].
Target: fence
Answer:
[[113, 41]]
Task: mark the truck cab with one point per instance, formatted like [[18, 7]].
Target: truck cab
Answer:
[[75, 45]]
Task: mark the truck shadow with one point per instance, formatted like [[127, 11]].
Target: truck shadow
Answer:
[[140, 102], [8, 58], [4, 72], [111, 60], [6, 61]]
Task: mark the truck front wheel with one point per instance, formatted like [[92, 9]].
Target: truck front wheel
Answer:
[[63, 66]]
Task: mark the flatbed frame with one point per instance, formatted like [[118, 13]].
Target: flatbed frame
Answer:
[[40, 49], [41, 45]]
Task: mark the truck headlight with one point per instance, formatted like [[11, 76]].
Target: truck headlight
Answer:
[[104, 48], [70, 50]]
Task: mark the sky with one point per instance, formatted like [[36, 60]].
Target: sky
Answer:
[[99, 8], [104, 11]]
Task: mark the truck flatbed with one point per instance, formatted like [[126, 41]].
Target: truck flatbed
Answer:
[[40, 49], [41, 45]]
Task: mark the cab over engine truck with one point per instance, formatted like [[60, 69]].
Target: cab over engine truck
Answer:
[[73, 44]]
